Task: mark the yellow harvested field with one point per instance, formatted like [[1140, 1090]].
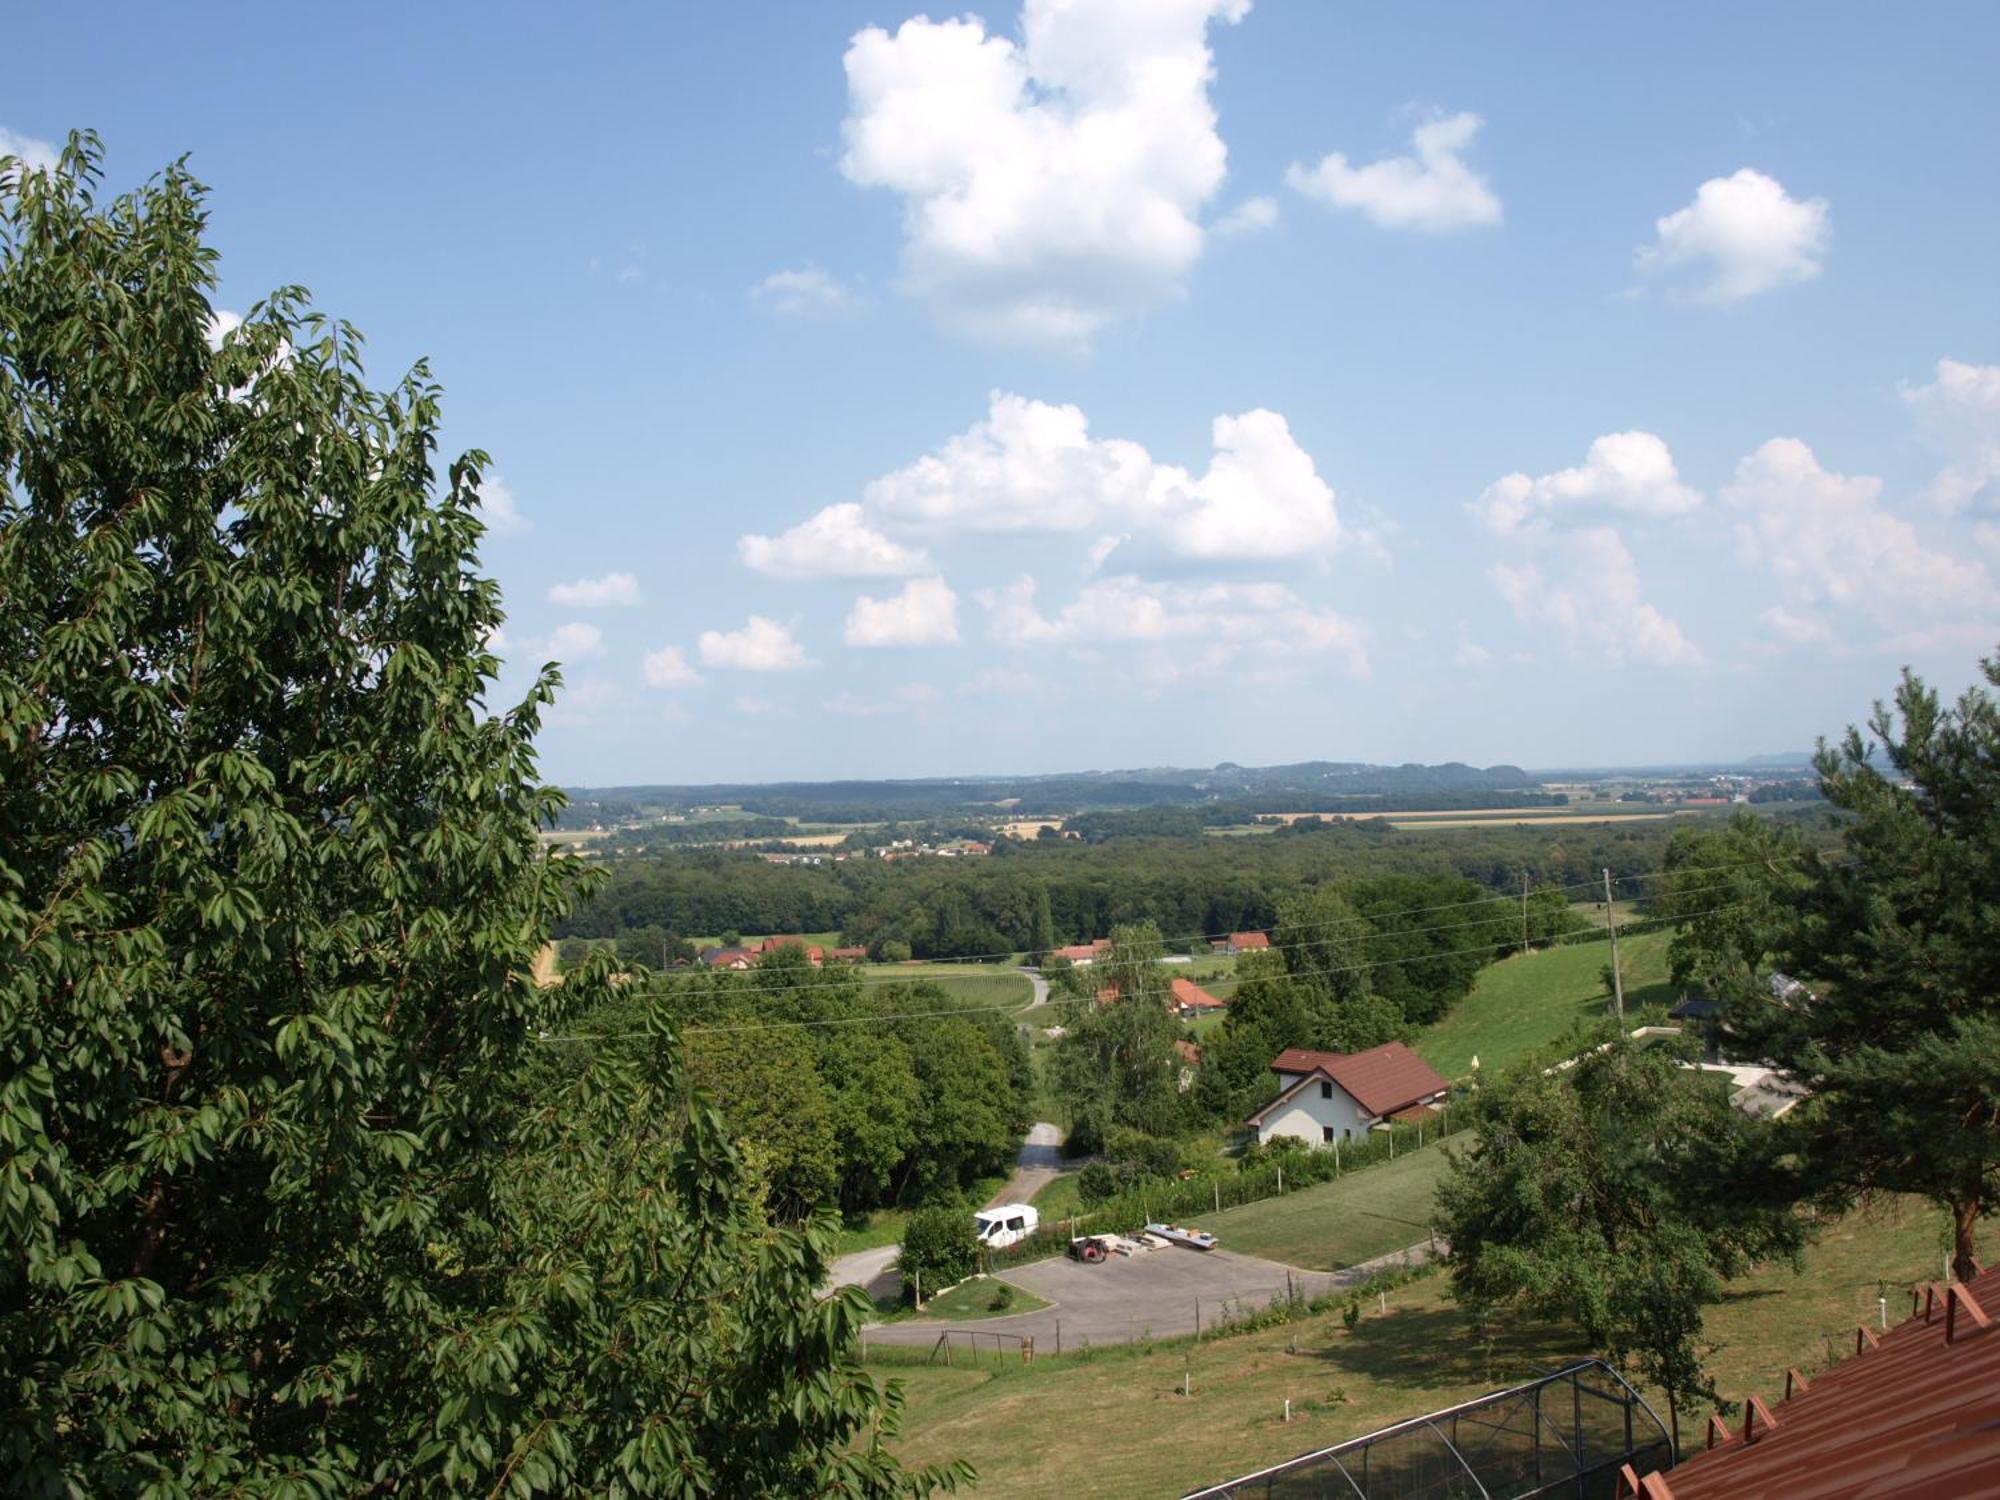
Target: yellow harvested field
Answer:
[[1471, 817], [1027, 828], [1491, 821]]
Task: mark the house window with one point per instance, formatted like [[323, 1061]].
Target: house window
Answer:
[[1325, 1089], [1326, 1135]]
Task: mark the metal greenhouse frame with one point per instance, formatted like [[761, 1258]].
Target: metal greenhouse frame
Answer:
[[1565, 1434]]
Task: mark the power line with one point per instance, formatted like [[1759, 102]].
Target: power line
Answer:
[[928, 971], [1574, 939], [1481, 900]]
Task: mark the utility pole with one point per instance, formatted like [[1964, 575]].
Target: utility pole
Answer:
[[1524, 909], [1617, 979]]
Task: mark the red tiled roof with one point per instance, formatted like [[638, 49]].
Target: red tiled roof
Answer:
[[1916, 1415], [854, 955], [1382, 1080], [1249, 940], [1190, 996], [1084, 950]]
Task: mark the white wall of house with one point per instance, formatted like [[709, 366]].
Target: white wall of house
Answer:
[[1312, 1114]]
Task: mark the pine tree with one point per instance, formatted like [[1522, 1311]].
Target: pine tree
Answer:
[[1894, 948]]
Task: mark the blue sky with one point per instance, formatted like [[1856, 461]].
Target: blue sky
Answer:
[[1174, 380]]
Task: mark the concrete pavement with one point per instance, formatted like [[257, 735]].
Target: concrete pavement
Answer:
[[1039, 1164], [1156, 1294]]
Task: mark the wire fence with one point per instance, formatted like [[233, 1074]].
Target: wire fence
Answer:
[[1157, 1201]]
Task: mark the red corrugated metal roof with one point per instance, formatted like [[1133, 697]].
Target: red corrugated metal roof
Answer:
[[1382, 1080], [1193, 997], [1916, 1415]]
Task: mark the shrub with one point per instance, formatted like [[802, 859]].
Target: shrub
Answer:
[[1095, 1183], [1136, 1154], [940, 1246]]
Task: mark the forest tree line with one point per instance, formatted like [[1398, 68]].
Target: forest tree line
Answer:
[[1185, 886]]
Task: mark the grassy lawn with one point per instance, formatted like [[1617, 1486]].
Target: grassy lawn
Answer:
[[981, 1297], [1340, 1223], [966, 984], [1527, 1001], [880, 1226], [1125, 1429], [1114, 1422], [884, 1226], [1058, 1199]]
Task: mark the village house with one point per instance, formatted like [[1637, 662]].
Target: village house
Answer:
[[727, 958], [1083, 955], [1324, 1097], [1190, 1000], [849, 955], [1242, 942]]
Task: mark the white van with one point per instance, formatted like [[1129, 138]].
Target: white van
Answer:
[[1005, 1225]]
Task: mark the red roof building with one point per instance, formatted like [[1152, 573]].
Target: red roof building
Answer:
[[849, 955], [1915, 1412], [1191, 1000], [1326, 1097], [1084, 953], [1243, 942]]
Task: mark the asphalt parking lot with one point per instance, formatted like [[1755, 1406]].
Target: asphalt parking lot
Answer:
[[1156, 1294]]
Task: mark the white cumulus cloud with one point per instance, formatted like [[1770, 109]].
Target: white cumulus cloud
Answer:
[[37, 155], [613, 590], [502, 513], [1249, 216], [1831, 545], [1959, 413], [1050, 185], [925, 613], [838, 542], [576, 641], [668, 668], [1631, 472], [807, 292], [1033, 466], [1258, 618], [1743, 234], [762, 645], [1431, 189], [1589, 594]]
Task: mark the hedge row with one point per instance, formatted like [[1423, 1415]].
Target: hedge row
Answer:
[[1153, 1200]]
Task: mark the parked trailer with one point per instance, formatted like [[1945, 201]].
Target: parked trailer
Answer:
[[1175, 1234]]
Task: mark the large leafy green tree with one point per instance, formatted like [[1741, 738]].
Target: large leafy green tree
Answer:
[[273, 1217], [1730, 889], [1893, 942], [1618, 1195], [1116, 1066]]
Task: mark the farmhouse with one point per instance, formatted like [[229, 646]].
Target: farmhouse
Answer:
[[726, 958], [1191, 1000], [1082, 955], [1242, 942], [1325, 1097]]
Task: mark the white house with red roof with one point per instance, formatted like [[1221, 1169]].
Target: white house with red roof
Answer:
[[1325, 1097], [1242, 942], [1083, 955]]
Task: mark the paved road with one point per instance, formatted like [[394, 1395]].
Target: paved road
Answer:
[[1157, 1294], [871, 1270], [1034, 977], [1039, 1163], [1040, 1160]]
